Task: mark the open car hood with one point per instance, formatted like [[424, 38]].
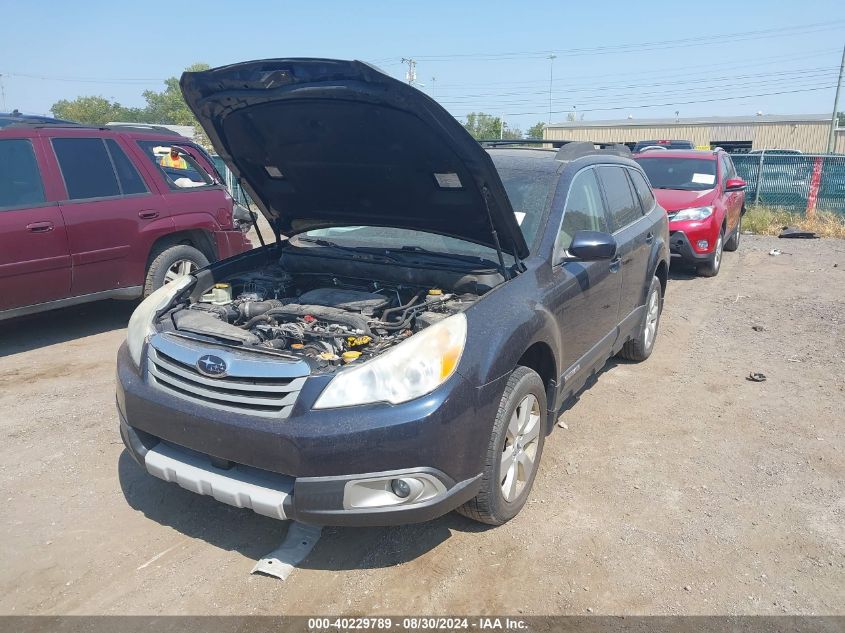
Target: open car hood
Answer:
[[320, 142]]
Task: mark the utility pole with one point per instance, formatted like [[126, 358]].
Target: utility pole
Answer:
[[831, 140], [551, 77], [2, 93], [502, 127], [433, 86], [411, 75]]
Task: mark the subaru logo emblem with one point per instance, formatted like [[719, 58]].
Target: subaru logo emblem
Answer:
[[211, 365]]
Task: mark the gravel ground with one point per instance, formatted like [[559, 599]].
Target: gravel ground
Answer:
[[679, 487]]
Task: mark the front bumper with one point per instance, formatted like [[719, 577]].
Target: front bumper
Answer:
[[680, 247], [298, 467]]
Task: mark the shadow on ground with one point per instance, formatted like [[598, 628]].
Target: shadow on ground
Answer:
[[59, 326], [253, 535]]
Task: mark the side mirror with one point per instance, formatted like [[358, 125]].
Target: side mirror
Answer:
[[735, 184], [592, 245]]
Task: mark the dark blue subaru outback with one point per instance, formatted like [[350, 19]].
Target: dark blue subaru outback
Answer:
[[404, 352]]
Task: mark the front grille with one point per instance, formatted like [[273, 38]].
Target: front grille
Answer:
[[271, 397]]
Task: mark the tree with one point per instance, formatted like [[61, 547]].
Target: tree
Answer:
[[482, 125], [840, 119], [536, 131], [95, 110], [166, 107]]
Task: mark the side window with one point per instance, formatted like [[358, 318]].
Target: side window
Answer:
[[620, 199], [644, 192], [726, 169], [584, 209], [127, 175], [20, 180], [731, 167], [86, 168], [179, 169]]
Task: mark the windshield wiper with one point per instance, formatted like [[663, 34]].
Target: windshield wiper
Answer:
[[470, 259], [359, 251]]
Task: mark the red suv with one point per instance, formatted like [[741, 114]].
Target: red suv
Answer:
[[94, 213], [705, 201]]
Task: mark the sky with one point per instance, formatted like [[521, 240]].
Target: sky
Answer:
[[614, 60]]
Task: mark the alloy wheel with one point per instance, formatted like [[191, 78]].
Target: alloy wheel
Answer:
[[180, 268], [652, 317], [520, 450]]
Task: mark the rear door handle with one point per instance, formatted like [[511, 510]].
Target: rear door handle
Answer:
[[39, 227], [148, 214], [649, 238], [615, 264]]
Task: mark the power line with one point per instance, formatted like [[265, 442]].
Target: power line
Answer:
[[677, 103], [699, 83], [642, 46]]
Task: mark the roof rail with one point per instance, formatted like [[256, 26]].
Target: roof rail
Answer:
[[567, 150], [141, 127], [574, 150]]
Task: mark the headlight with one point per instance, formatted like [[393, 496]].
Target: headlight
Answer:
[[409, 370], [141, 321], [698, 213]]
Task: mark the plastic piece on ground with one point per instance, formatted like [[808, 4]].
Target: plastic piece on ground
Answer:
[[298, 543]]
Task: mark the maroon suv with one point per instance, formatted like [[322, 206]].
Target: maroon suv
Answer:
[[94, 213]]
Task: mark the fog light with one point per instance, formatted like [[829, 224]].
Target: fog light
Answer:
[[400, 488], [702, 244]]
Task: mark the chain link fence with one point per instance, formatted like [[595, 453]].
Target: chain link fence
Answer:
[[797, 182]]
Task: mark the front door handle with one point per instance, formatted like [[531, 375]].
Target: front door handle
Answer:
[[615, 264], [148, 214], [39, 227]]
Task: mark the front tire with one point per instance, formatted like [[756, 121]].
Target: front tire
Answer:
[[171, 263], [733, 243], [514, 450], [639, 348]]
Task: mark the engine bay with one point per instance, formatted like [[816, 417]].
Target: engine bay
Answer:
[[327, 320]]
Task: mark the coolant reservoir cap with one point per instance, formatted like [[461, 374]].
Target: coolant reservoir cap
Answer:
[[435, 292], [348, 357]]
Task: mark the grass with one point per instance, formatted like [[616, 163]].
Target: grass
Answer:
[[771, 221]]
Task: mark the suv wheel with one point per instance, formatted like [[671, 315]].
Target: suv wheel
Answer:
[[733, 243], [171, 263], [640, 348], [514, 451], [711, 267]]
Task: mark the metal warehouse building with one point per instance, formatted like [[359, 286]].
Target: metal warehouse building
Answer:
[[805, 132]]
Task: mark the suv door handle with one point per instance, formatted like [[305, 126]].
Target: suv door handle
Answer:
[[615, 264], [649, 238], [39, 227], [148, 214]]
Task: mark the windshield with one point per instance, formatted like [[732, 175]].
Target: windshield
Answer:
[[528, 191], [686, 174]]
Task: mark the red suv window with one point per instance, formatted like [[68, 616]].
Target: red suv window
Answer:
[[20, 180]]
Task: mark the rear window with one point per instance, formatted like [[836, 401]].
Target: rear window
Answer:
[[129, 178], [685, 174], [20, 180], [665, 144], [86, 168], [644, 192]]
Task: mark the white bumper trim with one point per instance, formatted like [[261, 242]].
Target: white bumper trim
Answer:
[[241, 486]]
